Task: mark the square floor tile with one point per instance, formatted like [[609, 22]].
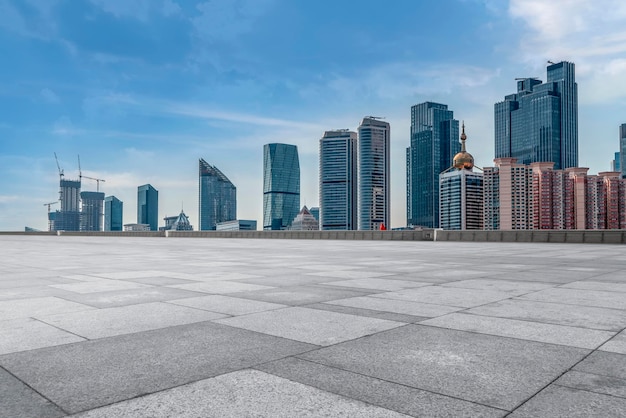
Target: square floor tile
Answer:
[[227, 304], [219, 286], [448, 296], [377, 284], [396, 306], [27, 334], [23, 308]]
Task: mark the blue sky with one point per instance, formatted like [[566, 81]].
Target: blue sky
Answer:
[[143, 88]]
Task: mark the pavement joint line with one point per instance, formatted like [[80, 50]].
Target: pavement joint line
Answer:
[[592, 391], [60, 329]]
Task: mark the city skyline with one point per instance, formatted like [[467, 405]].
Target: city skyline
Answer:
[[221, 79]]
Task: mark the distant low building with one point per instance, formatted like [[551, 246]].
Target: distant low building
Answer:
[[177, 223], [236, 225], [136, 227], [113, 213], [304, 221]]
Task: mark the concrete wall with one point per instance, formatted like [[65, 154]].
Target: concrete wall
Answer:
[[612, 236], [426, 235]]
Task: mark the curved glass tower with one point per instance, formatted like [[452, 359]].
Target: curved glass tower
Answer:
[[281, 185], [217, 197]]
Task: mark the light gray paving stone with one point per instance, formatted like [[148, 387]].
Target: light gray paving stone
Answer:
[[102, 285], [563, 402], [27, 334], [396, 306], [597, 285], [377, 284], [23, 308], [30, 292], [243, 394], [403, 399], [86, 375], [227, 304], [310, 325], [509, 286], [440, 295], [350, 274], [390, 316], [617, 344], [220, 286], [555, 313], [130, 297], [594, 383], [525, 330], [614, 300], [493, 371], [160, 281], [138, 274], [18, 400], [302, 295], [603, 363], [535, 276], [100, 323]]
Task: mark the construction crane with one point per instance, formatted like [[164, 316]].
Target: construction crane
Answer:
[[550, 62], [376, 117], [50, 220], [96, 180], [58, 166]]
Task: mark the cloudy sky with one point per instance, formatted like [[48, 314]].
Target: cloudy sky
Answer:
[[143, 88]]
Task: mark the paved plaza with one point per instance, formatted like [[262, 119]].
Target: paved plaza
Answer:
[[193, 327]]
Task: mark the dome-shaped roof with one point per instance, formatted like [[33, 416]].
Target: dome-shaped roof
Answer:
[[463, 159]]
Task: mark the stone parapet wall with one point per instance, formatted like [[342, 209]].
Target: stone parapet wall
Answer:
[[573, 236]]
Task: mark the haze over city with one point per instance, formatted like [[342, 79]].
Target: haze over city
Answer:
[[142, 89]]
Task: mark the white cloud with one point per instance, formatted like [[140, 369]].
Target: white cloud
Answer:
[[225, 20], [138, 9], [49, 96]]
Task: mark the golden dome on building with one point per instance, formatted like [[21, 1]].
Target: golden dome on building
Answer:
[[463, 159]]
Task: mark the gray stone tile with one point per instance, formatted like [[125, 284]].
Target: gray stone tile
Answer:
[[220, 286], [535, 276], [525, 330], [18, 400], [440, 295], [377, 284], [580, 297], [603, 363], [227, 304], [617, 344], [102, 285], [390, 316], [493, 371], [508, 286], [558, 401], [130, 297], [403, 399], [23, 308], [396, 306], [27, 334], [138, 274], [100, 323], [310, 325], [301, 295], [555, 313], [160, 281], [350, 274], [243, 394], [30, 292], [594, 383], [86, 375], [597, 285]]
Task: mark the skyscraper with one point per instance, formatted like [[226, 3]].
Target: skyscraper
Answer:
[[434, 142], [540, 122], [622, 150], [217, 197], [68, 218], [113, 213], [281, 185], [148, 206], [338, 180], [374, 190], [91, 211]]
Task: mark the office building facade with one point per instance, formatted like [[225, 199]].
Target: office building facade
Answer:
[[374, 174], [113, 214], [91, 212], [237, 225], [217, 198], [539, 123], [281, 185], [148, 206], [68, 217], [434, 142], [622, 150], [338, 180]]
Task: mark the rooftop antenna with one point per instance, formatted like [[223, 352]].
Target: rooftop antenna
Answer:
[[80, 173]]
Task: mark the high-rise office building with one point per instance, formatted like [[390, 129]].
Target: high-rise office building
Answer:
[[434, 142], [622, 150], [217, 197], [91, 211], [539, 123], [461, 193], [338, 180], [148, 206], [374, 174], [616, 164], [281, 185], [506, 195], [68, 218], [113, 214]]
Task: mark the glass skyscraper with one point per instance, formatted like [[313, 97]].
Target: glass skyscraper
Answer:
[[434, 142], [338, 180], [373, 161], [217, 197], [539, 123], [113, 214], [91, 211], [622, 150], [68, 218], [281, 185], [148, 206]]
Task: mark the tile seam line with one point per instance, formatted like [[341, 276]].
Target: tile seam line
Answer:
[[592, 391], [297, 356], [33, 389]]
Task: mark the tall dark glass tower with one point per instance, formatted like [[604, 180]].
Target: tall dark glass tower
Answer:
[[148, 206], [217, 197], [91, 211], [374, 169], [338, 180], [622, 149], [434, 142], [540, 122], [113, 213], [281, 185]]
